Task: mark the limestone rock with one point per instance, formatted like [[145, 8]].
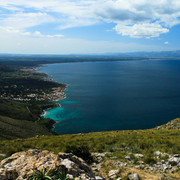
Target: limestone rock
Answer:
[[128, 158], [133, 176], [139, 156], [174, 124], [119, 163], [119, 178], [174, 161], [157, 153], [20, 164], [99, 156], [99, 178], [113, 173]]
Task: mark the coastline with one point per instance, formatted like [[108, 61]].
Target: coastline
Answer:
[[57, 94], [64, 96]]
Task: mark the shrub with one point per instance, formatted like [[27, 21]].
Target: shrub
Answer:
[[59, 173], [80, 151], [40, 175], [149, 160]]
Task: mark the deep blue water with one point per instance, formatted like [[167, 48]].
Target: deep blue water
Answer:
[[105, 96]]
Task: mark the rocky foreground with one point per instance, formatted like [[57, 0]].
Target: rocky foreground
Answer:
[[20, 165], [106, 166], [165, 164]]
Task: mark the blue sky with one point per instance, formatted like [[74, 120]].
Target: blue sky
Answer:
[[86, 27]]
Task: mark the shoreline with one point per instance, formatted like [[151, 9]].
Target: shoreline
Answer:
[[58, 94], [64, 96]]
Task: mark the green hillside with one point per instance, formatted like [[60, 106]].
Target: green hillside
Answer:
[[12, 128], [118, 144], [24, 94]]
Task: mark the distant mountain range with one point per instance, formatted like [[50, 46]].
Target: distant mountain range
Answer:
[[153, 54]]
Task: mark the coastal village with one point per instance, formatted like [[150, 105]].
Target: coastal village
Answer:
[[20, 89], [55, 94]]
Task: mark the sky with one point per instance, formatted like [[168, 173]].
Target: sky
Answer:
[[88, 26]]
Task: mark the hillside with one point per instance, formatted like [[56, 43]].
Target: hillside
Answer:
[[135, 151], [12, 128], [24, 94]]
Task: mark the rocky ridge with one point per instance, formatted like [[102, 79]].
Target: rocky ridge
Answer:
[[173, 124]]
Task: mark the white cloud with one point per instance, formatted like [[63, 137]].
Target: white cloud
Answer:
[[55, 35], [166, 43], [26, 20], [12, 31], [130, 15], [15, 43], [9, 31], [157, 17], [38, 34], [141, 30]]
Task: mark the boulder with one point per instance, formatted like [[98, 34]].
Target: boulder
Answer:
[[157, 153], [174, 161], [20, 165], [139, 156], [119, 163], [113, 173], [128, 158], [99, 178], [133, 176]]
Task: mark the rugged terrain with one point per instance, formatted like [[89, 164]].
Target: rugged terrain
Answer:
[[151, 154]]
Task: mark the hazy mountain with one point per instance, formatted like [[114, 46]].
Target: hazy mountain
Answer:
[[148, 54]]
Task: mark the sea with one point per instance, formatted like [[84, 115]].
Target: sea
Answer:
[[122, 95]]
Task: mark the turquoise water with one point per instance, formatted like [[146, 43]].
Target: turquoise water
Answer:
[[105, 96]]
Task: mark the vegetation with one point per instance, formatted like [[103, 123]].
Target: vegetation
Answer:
[[80, 151], [47, 174], [12, 128], [117, 142], [24, 95], [40, 175], [22, 119], [21, 84]]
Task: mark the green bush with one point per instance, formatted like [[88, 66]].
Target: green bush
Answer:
[[40, 175], [59, 173], [150, 160], [80, 151]]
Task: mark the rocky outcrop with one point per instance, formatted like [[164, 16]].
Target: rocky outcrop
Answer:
[[172, 162], [133, 176], [113, 173], [21, 164], [164, 162], [174, 124]]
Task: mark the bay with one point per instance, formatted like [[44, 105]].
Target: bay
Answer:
[[103, 96]]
